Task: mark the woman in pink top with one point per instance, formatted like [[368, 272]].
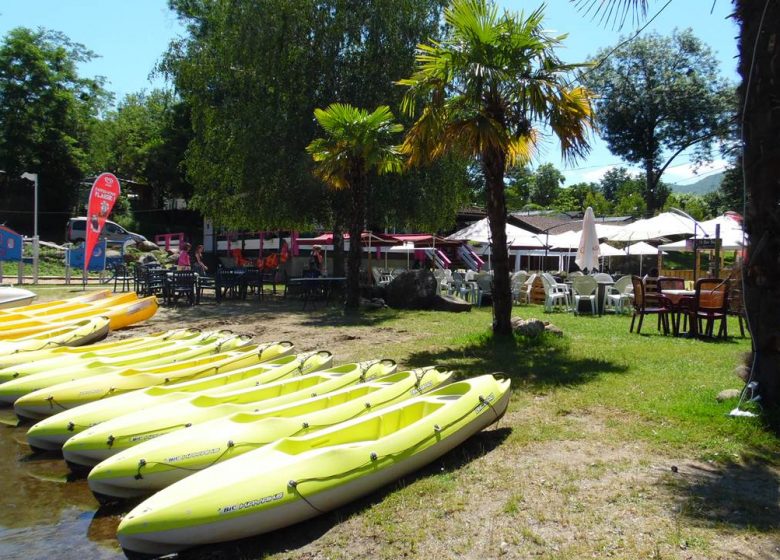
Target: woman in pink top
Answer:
[[184, 258]]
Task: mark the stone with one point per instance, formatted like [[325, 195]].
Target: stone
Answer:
[[530, 328], [413, 289], [146, 246], [534, 327], [451, 303], [728, 394]]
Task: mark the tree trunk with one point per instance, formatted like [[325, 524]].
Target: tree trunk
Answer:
[[493, 164], [651, 184], [761, 131], [358, 189], [338, 250]]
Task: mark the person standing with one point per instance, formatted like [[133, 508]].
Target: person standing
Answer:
[[199, 266], [315, 260], [183, 263]]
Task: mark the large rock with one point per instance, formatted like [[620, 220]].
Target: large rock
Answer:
[[413, 289], [451, 303]]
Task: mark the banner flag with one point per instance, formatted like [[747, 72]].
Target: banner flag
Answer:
[[104, 193]]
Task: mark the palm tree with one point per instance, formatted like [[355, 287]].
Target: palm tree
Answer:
[[357, 144], [485, 91], [759, 51]]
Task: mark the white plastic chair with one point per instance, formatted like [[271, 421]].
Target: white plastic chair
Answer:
[[554, 296], [585, 288], [617, 298], [519, 289]]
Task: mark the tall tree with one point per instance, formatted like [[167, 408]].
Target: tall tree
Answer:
[[657, 97], [760, 119], [759, 51], [548, 181], [145, 139], [357, 144], [484, 91], [47, 115], [253, 73]]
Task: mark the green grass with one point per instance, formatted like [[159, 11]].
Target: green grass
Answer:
[[654, 388]]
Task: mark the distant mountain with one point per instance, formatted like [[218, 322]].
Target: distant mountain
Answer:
[[702, 186]]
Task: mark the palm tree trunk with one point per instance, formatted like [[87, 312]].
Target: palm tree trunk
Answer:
[[761, 131], [493, 164], [358, 189]]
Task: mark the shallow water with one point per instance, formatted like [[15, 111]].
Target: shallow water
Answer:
[[45, 512]]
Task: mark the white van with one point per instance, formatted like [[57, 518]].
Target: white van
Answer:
[[76, 231]]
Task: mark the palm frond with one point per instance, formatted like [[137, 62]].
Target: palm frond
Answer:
[[614, 11]]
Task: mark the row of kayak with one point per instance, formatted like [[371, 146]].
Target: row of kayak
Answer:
[[233, 438], [50, 321]]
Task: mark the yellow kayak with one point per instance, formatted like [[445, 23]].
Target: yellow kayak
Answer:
[[77, 333], [40, 375], [121, 314], [71, 303], [154, 464], [130, 429], [297, 478], [67, 354], [58, 314], [51, 433], [45, 402]]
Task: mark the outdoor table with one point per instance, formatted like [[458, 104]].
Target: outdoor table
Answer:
[[680, 300], [600, 294], [316, 288], [676, 295]]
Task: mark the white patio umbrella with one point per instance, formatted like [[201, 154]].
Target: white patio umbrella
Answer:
[[641, 248], [607, 250], [662, 225], [588, 251], [479, 232]]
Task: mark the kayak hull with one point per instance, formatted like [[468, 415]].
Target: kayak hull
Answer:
[[15, 297], [90, 447], [153, 465], [296, 479], [53, 432], [46, 402]]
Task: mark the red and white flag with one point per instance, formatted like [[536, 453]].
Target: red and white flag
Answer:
[[104, 193]]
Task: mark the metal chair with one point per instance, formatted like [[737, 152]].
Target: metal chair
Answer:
[[122, 277], [182, 283]]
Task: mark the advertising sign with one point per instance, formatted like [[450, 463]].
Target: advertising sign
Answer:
[[10, 245], [105, 191], [97, 260]]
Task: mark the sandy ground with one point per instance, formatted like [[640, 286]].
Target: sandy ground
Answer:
[[577, 497]]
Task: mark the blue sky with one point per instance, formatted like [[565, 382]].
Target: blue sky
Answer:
[[130, 36]]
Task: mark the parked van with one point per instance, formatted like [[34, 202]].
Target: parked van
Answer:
[[76, 231]]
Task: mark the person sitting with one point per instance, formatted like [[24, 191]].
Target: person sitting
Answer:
[[183, 263]]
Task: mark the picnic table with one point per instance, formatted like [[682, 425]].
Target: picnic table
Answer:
[[314, 289]]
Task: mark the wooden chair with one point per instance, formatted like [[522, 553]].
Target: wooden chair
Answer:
[[710, 304], [644, 307], [736, 306]]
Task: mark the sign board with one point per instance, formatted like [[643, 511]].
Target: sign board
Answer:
[[10, 245], [105, 191], [97, 262], [708, 243]]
